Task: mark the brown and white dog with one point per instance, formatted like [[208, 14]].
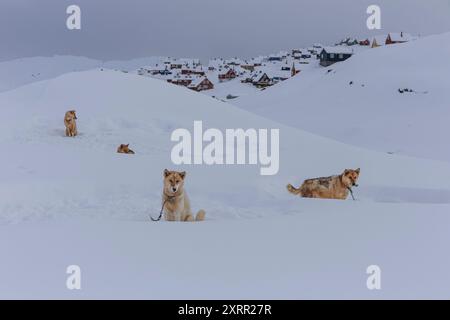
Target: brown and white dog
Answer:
[[70, 123], [334, 187], [176, 206], [124, 148]]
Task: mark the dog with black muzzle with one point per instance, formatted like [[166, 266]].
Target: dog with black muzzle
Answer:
[[334, 187], [125, 148]]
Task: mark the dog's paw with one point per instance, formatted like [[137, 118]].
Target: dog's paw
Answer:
[[200, 215]]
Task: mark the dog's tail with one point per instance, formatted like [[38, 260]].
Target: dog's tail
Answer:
[[200, 215], [294, 190]]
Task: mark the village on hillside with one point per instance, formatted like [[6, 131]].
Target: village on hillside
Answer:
[[228, 78]]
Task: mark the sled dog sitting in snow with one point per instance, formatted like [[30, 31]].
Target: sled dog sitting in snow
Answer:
[[334, 187], [124, 148], [176, 204], [70, 123]]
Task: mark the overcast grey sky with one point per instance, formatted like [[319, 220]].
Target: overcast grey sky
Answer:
[[124, 29]]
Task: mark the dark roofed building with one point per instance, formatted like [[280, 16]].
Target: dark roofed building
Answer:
[[331, 55]]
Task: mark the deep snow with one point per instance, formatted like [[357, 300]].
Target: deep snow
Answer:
[[75, 201], [116, 108], [303, 255]]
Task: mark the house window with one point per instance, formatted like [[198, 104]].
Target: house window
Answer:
[[341, 56], [332, 55]]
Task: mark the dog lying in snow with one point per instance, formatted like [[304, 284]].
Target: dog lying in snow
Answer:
[[70, 123], [334, 187], [176, 206], [124, 148]]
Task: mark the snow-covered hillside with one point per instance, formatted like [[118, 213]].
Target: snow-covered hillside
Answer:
[[23, 71], [258, 240], [115, 108], [19, 72], [358, 101]]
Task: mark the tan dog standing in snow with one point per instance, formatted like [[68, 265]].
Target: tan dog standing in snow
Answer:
[[334, 187], [176, 206], [70, 123]]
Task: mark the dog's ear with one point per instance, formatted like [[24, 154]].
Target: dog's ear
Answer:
[[358, 170], [183, 174], [346, 172], [166, 173]]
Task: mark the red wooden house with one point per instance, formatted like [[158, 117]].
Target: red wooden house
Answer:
[[401, 37], [230, 74], [365, 42], [192, 72], [201, 84], [181, 81]]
